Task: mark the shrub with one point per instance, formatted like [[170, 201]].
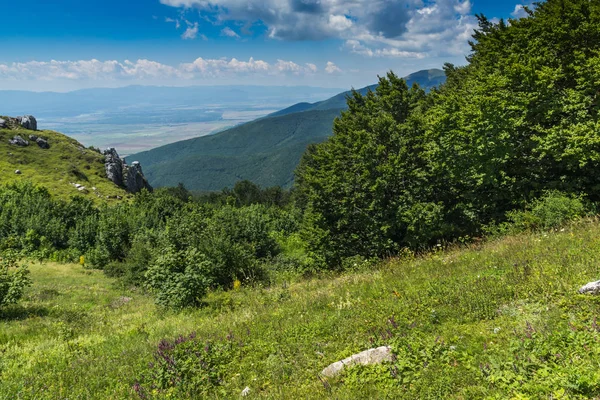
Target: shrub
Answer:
[[187, 366], [13, 279], [179, 278], [550, 211]]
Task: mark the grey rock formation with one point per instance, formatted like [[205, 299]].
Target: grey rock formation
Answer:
[[367, 357], [591, 288], [2, 123], [18, 141], [33, 138], [135, 180], [130, 177], [43, 143], [114, 166], [18, 172], [28, 122]]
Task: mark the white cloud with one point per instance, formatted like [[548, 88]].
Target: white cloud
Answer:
[[227, 31], [175, 21], [191, 32], [151, 70], [374, 28], [356, 47], [311, 67], [519, 11], [331, 68]]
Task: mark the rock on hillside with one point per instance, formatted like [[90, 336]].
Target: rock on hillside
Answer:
[[130, 177]]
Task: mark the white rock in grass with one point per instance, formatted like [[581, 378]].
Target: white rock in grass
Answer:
[[367, 357], [591, 288]]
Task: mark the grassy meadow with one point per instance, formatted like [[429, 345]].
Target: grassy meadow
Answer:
[[497, 320], [66, 161]]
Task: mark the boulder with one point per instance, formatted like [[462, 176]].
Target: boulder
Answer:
[[28, 122], [2, 123], [43, 143], [33, 138], [590, 288], [114, 166], [367, 357], [134, 178], [18, 172], [18, 141]]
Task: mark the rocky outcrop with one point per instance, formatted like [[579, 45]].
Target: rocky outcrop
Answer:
[[114, 166], [135, 180], [367, 357], [28, 122], [18, 141], [130, 177], [43, 143], [3, 123], [590, 288]]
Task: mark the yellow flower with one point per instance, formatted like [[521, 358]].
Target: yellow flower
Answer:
[[237, 284], [82, 260]]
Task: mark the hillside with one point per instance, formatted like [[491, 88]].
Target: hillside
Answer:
[[501, 320], [427, 79], [65, 163], [265, 151]]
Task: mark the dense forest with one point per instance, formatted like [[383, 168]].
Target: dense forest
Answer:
[[405, 170]]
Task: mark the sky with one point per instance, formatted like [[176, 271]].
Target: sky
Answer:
[[64, 45]]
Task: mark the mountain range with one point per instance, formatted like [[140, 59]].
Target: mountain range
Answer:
[[265, 151]]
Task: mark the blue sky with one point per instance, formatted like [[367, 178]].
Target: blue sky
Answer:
[[69, 44]]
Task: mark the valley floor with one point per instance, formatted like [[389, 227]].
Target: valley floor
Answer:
[[501, 320]]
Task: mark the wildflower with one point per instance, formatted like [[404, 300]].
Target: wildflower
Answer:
[[237, 284], [246, 391], [82, 260]]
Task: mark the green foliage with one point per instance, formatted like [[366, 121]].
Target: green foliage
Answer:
[[179, 278], [187, 367], [14, 279], [408, 169], [551, 211], [66, 162]]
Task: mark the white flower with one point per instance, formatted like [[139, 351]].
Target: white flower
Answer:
[[246, 391]]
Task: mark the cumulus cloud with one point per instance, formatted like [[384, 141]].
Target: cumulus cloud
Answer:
[[519, 11], [149, 70], [227, 31], [191, 32], [382, 28], [331, 68]]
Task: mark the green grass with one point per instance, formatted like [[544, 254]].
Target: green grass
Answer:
[[500, 320], [67, 161]]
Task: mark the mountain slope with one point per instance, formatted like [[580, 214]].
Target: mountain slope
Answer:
[[265, 151], [427, 79], [65, 163]]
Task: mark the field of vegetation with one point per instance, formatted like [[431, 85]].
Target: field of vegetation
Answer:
[[454, 226], [498, 320], [65, 162]]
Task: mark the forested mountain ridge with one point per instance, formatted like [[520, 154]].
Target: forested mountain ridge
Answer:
[[265, 151]]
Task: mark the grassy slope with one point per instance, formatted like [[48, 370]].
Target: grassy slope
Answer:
[[265, 151], [72, 338], [67, 161]]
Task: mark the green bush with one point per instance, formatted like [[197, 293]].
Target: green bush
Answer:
[[551, 211], [186, 368], [13, 279], [179, 279]]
